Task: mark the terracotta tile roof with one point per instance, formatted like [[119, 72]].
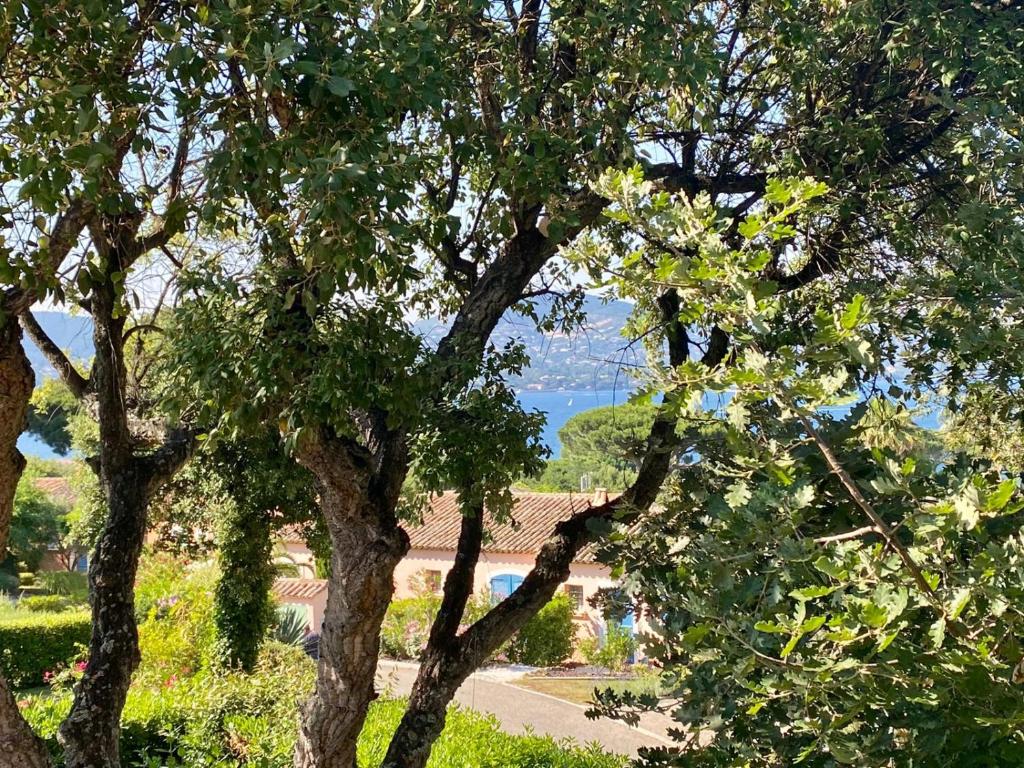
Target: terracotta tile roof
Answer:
[[57, 488], [299, 589], [533, 518], [292, 534]]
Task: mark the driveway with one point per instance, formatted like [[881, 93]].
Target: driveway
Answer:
[[519, 710]]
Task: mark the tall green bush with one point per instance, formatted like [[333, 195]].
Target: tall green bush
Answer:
[[68, 583], [37, 643], [547, 639], [243, 607]]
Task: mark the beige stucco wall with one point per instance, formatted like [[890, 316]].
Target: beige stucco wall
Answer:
[[299, 554]]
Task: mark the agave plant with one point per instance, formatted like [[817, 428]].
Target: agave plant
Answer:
[[291, 625]]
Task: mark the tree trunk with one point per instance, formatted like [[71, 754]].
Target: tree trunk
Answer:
[[450, 659], [16, 382], [19, 747], [421, 725], [90, 735], [366, 546]]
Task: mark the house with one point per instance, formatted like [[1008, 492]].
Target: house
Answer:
[[509, 551], [59, 557]]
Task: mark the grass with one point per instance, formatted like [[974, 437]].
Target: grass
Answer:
[[581, 690]]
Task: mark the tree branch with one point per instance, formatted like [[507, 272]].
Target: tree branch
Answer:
[[78, 384]]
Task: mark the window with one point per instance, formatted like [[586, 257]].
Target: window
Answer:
[[432, 580], [504, 585], [575, 593]]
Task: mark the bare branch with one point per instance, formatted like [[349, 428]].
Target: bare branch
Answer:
[[78, 384]]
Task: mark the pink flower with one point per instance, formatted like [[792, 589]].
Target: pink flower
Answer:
[[80, 666], [170, 681], [23, 704], [47, 676]]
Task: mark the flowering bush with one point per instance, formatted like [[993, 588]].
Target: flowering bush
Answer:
[[36, 643]]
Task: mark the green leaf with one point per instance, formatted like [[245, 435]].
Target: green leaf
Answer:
[[811, 593], [959, 602], [1000, 497], [937, 633], [851, 315], [340, 86]]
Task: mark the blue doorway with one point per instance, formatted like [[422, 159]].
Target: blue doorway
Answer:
[[504, 585]]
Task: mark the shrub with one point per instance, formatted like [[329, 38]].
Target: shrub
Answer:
[[9, 583], [158, 578], [614, 653], [68, 583], [48, 603], [547, 638], [38, 643], [26, 579], [291, 625], [178, 633], [406, 626]]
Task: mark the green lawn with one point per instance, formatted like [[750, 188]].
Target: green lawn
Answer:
[[581, 690]]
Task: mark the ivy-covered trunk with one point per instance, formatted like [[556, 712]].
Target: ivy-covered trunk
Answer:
[[367, 545], [19, 747]]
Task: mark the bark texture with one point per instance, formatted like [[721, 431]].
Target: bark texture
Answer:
[[366, 546], [19, 747], [16, 382]]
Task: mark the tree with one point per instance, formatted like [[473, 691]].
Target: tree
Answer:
[[396, 160], [101, 135], [38, 522], [50, 408], [832, 588], [604, 444], [242, 492]]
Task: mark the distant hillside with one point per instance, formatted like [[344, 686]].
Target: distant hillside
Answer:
[[590, 359]]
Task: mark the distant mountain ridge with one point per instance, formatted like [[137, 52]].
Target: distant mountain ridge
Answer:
[[592, 358]]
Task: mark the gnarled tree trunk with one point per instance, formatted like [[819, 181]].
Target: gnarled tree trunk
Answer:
[[90, 734], [366, 547], [19, 747]]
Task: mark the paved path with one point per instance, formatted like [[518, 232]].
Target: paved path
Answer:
[[519, 710]]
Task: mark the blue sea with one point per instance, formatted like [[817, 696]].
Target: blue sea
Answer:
[[559, 407]]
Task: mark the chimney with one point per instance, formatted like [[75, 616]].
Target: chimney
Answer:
[[600, 497]]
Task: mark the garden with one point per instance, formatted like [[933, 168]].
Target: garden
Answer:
[[185, 709], [290, 265]]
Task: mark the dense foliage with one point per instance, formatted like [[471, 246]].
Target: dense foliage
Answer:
[[832, 585], [186, 709], [548, 638]]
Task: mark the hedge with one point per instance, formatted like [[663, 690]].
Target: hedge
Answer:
[[38, 643], [547, 638]]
